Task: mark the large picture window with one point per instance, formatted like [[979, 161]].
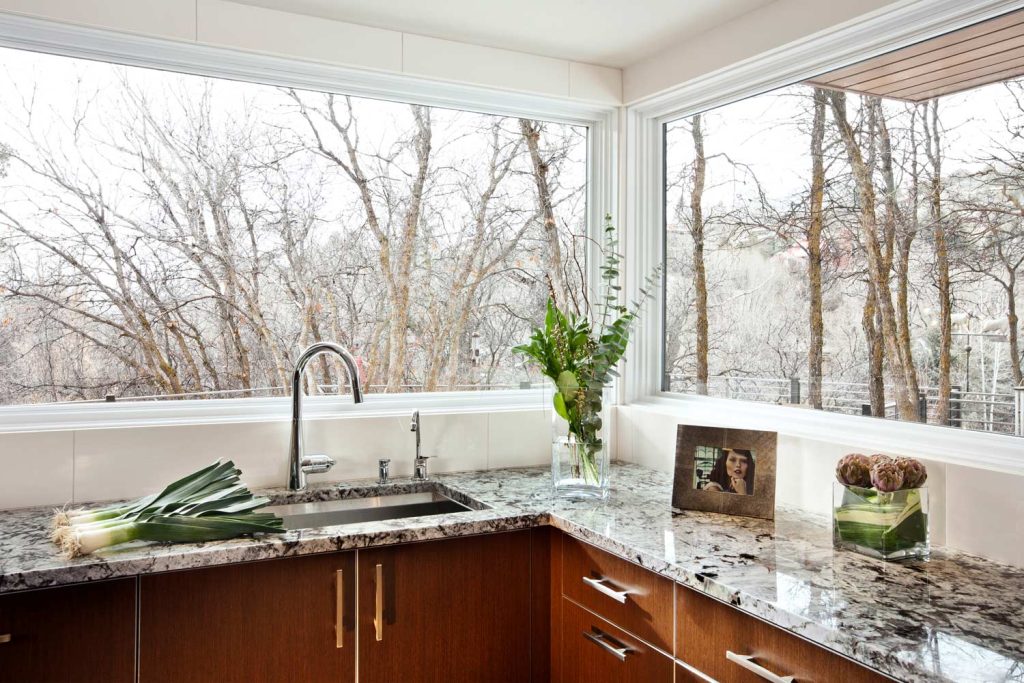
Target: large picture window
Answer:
[[174, 236], [850, 253]]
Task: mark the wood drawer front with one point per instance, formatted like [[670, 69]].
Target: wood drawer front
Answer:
[[586, 661], [708, 628], [684, 675], [647, 610]]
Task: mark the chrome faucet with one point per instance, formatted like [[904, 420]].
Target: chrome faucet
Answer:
[[419, 470], [300, 464]]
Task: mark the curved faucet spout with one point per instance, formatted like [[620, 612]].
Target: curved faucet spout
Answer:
[[300, 464]]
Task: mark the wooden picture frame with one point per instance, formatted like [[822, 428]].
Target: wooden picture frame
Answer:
[[721, 489]]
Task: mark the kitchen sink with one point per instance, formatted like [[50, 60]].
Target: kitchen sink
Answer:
[[368, 509]]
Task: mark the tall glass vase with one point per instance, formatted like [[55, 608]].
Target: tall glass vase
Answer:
[[579, 466]]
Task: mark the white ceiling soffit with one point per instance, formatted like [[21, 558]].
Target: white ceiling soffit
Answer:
[[611, 33]]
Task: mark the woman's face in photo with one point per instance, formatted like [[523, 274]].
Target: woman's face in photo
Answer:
[[736, 465]]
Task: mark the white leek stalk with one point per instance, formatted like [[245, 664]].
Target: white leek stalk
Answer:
[[209, 504]]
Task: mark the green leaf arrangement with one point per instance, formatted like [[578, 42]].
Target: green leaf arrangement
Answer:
[[580, 357], [209, 504]]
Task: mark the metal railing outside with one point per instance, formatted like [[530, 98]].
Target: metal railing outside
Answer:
[[999, 412]]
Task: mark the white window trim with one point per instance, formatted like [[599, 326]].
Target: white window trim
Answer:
[[156, 413], [867, 36], [90, 43]]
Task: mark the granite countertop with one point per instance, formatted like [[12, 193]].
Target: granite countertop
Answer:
[[955, 617]]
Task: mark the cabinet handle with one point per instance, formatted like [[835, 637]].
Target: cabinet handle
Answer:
[[598, 585], [339, 608], [5, 638], [604, 641], [378, 613], [747, 662]]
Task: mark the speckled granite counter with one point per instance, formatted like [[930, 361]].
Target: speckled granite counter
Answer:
[[953, 618]]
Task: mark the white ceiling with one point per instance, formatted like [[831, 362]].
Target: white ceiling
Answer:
[[613, 33]]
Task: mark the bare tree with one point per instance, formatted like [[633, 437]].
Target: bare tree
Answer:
[[933, 149], [906, 385]]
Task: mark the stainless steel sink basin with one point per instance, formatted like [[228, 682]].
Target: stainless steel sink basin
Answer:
[[369, 509]]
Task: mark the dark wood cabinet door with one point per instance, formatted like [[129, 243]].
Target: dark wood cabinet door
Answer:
[[440, 611], [271, 621], [73, 634]]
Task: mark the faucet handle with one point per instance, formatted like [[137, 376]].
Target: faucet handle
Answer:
[[317, 464], [419, 471], [383, 467]]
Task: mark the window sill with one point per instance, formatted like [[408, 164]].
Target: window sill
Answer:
[[221, 411], [996, 452]]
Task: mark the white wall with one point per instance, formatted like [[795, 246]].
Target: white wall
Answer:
[[972, 509], [58, 467], [766, 28], [227, 24]]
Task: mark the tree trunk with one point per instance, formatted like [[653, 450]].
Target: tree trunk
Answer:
[[894, 221], [815, 351], [556, 275], [906, 390], [876, 356], [700, 285], [933, 146], [1011, 318], [402, 273]]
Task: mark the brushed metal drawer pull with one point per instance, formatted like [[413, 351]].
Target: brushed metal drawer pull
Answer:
[[378, 614], [5, 638], [747, 662], [598, 585], [339, 607], [602, 639]]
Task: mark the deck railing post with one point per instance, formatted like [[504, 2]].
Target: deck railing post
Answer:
[[1018, 411], [955, 407]]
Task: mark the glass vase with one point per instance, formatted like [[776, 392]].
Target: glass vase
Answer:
[[579, 468], [887, 526]]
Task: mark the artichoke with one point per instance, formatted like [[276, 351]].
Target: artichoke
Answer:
[[914, 473], [854, 470], [886, 476], [879, 458]]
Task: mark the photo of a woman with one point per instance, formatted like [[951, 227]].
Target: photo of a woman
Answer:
[[733, 472]]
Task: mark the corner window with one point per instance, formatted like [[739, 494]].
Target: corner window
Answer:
[[174, 236], [854, 244]]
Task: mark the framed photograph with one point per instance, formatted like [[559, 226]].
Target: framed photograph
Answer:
[[731, 471]]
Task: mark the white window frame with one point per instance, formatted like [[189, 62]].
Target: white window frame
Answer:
[[602, 121], [893, 27]]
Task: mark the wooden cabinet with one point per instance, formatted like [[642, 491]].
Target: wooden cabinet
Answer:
[[626, 594], [453, 610], [595, 651], [290, 619], [707, 630], [612, 620], [80, 633], [531, 605]]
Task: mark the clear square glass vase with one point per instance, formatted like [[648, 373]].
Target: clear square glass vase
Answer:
[[579, 470], [887, 526]]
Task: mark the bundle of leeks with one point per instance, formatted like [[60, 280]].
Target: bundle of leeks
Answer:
[[208, 505]]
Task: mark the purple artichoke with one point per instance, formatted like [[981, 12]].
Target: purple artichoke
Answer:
[[914, 473], [854, 470], [878, 458], [886, 476]]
